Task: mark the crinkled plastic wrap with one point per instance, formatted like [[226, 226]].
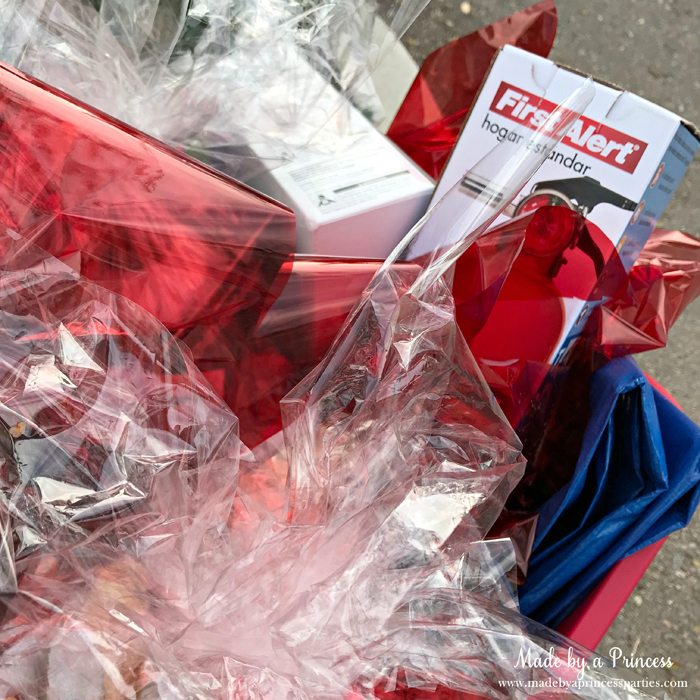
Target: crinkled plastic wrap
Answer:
[[120, 468], [147, 554], [401, 345], [138, 571], [239, 84]]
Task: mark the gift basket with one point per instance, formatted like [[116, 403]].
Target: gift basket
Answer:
[[234, 470]]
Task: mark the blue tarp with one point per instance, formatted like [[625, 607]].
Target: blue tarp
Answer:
[[636, 480]]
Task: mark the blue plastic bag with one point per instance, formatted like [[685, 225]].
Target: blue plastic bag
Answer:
[[636, 480]]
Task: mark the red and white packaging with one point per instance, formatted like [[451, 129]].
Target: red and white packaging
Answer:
[[618, 165]]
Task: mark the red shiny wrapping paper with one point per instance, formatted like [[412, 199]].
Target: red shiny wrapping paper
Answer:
[[202, 253], [431, 117]]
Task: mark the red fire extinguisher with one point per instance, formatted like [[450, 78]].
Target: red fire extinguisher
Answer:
[[562, 252]]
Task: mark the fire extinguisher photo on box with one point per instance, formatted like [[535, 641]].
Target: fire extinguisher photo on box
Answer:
[[562, 257]]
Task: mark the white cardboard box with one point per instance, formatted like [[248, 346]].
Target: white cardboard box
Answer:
[[354, 192], [618, 165]]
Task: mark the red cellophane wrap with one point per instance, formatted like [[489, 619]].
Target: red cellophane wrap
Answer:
[[148, 554], [203, 254], [431, 117]]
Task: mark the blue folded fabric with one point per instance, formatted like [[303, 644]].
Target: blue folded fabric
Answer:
[[636, 480]]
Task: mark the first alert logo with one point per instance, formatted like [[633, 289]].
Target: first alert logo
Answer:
[[585, 135]]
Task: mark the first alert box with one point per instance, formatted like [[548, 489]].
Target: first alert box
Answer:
[[618, 166]]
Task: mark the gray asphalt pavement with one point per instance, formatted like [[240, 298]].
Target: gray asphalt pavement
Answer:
[[649, 47]]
